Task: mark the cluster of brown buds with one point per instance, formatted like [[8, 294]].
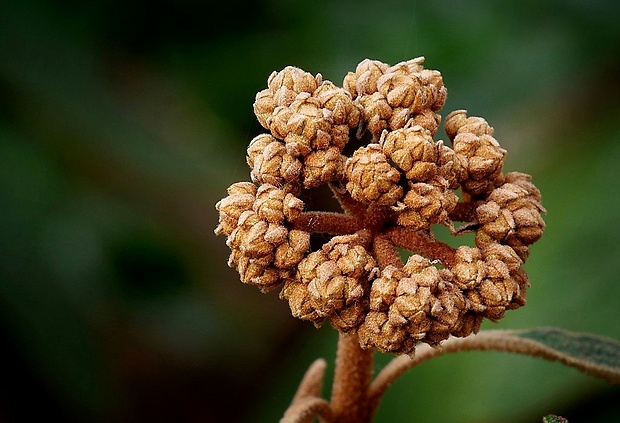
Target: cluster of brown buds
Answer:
[[371, 141]]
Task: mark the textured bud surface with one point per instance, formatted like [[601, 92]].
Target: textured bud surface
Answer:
[[371, 178]]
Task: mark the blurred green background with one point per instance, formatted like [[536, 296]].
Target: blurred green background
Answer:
[[123, 122]]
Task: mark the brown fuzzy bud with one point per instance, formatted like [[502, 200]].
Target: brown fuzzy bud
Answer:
[[337, 278], [271, 164], [252, 245], [303, 126], [295, 79], [370, 178], [276, 205], [241, 196], [383, 290], [512, 214], [249, 236], [425, 204], [343, 111], [292, 250], [450, 171], [468, 269], [427, 119], [323, 166], [283, 88], [415, 299], [300, 302], [379, 332], [499, 290], [413, 151], [480, 154], [377, 113], [415, 91], [260, 273], [436, 92], [459, 121], [470, 323], [364, 80]]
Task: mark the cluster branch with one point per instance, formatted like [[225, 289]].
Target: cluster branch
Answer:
[[348, 204], [385, 252], [423, 243], [326, 222], [465, 211], [306, 409]]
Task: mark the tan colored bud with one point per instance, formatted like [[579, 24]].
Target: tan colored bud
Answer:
[[415, 91], [249, 236], [512, 214], [252, 246], [523, 180], [383, 289], [271, 164], [292, 250], [364, 80], [449, 171], [377, 113], [337, 279], [303, 126], [503, 286], [414, 300], [468, 269], [436, 91], [370, 178], [470, 323], [343, 111], [241, 196], [482, 160], [431, 93], [254, 271], [264, 105], [323, 166], [276, 205], [399, 89], [283, 88], [481, 157], [295, 79], [427, 119], [413, 151], [299, 300], [425, 204], [458, 121], [377, 331]]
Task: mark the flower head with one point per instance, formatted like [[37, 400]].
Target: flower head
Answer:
[[373, 143]]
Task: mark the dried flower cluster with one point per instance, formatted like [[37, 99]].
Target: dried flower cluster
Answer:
[[372, 141]]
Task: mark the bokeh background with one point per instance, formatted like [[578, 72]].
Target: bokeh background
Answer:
[[123, 122]]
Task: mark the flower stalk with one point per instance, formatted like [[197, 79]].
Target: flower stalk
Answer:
[[352, 378]]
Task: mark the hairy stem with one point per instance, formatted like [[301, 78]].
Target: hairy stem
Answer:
[[326, 222], [422, 243], [385, 253], [306, 409], [352, 378], [348, 204]]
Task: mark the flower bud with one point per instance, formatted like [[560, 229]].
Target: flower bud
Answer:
[[370, 178]]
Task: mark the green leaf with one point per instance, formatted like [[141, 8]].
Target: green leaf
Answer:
[[554, 419], [592, 354]]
